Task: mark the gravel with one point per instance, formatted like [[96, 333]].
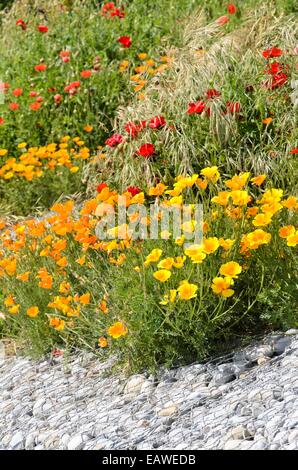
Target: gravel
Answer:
[[234, 402]]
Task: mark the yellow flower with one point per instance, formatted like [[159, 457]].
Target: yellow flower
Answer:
[[162, 275], [179, 262], [180, 240], [22, 145], [292, 240], [270, 196], [32, 311], [210, 245], [153, 257], [158, 190], [88, 128], [169, 298], [3, 152], [117, 330], [142, 55], [211, 173], [57, 323], [14, 309], [221, 286], [166, 263], [261, 220], [187, 291], [222, 198], [258, 180], [195, 253], [285, 232], [238, 181], [230, 269], [254, 239], [239, 197], [226, 244], [290, 203]]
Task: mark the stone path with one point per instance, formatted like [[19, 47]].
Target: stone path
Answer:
[[248, 400]]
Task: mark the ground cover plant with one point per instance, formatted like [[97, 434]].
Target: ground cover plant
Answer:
[[198, 110]]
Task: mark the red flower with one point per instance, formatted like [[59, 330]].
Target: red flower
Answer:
[[133, 190], [212, 93], [86, 73], [42, 28], [39, 99], [114, 140], [13, 106], [294, 151], [52, 90], [274, 67], [1, 121], [72, 87], [146, 150], [35, 106], [21, 23], [133, 129], [157, 122], [196, 108], [58, 99], [65, 56], [233, 107], [232, 9], [117, 12], [17, 92], [125, 41], [40, 67], [33, 94], [108, 6], [222, 20], [273, 52], [101, 186]]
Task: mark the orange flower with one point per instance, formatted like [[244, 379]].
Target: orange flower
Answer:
[[23, 277], [102, 342], [285, 232], [85, 299], [32, 312], [117, 330], [103, 306]]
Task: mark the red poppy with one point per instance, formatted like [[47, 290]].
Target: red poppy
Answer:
[[40, 67], [133, 128], [33, 94], [222, 20], [52, 90], [294, 151], [35, 106], [274, 67], [157, 122], [108, 6], [86, 73], [21, 23], [146, 150], [17, 92], [232, 9], [233, 107], [114, 140], [57, 99], [42, 28], [13, 106], [272, 52], [65, 56], [212, 93], [117, 12], [196, 108], [1, 121], [39, 99], [101, 186], [133, 190], [125, 41]]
